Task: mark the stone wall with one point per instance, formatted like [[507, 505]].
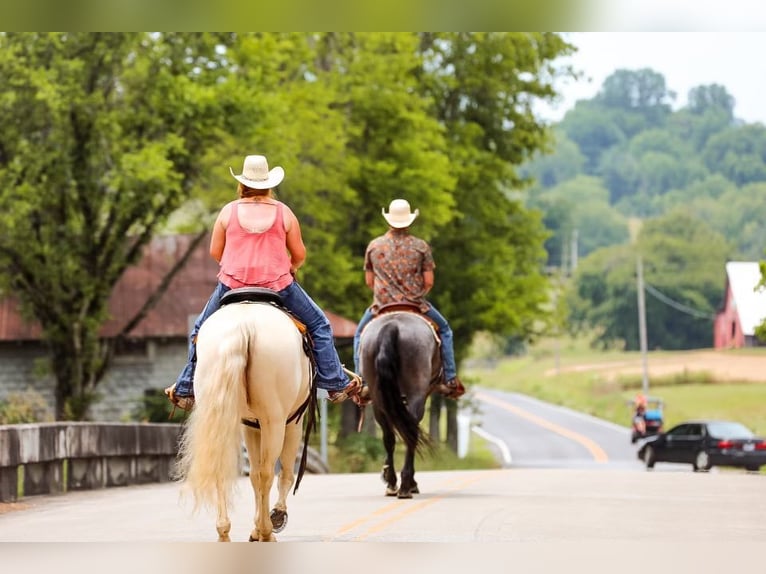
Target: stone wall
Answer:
[[49, 458], [122, 390]]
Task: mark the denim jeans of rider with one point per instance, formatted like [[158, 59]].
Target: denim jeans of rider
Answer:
[[445, 334]]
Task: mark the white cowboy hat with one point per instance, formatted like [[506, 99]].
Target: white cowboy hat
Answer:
[[256, 174], [399, 214]]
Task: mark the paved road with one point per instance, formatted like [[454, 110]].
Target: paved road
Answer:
[[531, 433], [552, 508], [510, 505]]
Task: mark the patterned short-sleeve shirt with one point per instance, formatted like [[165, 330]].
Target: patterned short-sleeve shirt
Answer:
[[398, 260]]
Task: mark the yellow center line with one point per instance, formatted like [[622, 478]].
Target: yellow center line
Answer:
[[412, 508], [595, 450], [398, 504]]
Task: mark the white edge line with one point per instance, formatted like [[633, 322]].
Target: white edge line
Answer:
[[506, 454]]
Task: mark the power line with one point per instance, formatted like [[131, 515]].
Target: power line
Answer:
[[676, 305]]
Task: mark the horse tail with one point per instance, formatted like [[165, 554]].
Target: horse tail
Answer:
[[210, 448], [389, 399]]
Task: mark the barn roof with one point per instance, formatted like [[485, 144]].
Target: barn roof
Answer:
[[750, 304], [186, 295]]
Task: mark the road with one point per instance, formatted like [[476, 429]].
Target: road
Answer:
[[553, 491]]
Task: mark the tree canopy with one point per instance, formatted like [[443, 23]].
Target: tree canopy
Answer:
[[105, 136]]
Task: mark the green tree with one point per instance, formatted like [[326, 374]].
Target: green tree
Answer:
[[739, 153], [639, 94], [549, 168], [683, 261], [703, 99], [489, 258], [100, 137], [579, 205]]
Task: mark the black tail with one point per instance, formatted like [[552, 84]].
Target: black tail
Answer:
[[389, 399]]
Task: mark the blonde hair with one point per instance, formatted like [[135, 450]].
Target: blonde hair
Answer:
[[244, 191]]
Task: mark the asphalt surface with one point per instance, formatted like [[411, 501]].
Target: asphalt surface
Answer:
[[552, 507]]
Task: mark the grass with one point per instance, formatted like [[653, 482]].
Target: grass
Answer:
[[590, 389], [365, 453]]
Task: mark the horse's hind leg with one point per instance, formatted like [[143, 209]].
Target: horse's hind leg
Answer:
[[222, 523], [262, 477], [286, 474], [408, 486], [389, 472], [253, 444]]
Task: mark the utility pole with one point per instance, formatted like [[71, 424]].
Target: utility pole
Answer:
[[642, 324], [574, 255]]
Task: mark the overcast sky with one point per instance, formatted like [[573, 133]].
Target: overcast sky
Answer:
[[736, 60]]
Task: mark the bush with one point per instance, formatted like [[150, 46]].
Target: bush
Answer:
[[156, 408], [25, 407]]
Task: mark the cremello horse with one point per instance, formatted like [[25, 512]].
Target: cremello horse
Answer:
[[251, 366]]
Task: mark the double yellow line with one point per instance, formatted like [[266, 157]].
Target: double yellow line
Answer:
[[404, 507], [596, 451], [398, 509]]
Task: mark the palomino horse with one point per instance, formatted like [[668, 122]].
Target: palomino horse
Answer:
[[400, 360], [251, 366]]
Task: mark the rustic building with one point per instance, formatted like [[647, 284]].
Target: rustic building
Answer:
[[743, 307], [157, 348]]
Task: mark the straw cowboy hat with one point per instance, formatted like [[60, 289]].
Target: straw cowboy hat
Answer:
[[256, 174], [399, 214]]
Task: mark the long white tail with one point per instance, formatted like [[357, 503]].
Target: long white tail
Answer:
[[209, 453]]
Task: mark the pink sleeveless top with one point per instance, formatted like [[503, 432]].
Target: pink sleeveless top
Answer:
[[255, 259]]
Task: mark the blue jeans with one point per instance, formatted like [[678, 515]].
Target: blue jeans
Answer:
[[330, 375], [445, 334]]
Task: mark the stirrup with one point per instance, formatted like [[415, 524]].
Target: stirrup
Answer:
[[183, 403]]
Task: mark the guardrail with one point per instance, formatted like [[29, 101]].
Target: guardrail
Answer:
[[49, 458]]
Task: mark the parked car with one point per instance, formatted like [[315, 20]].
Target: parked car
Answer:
[[704, 444]]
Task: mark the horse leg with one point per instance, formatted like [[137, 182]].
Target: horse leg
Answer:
[[286, 474], [222, 523], [389, 472], [418, 408], [408, 486], [253, 445], [272, 439]]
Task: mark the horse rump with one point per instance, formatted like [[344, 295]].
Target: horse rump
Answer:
[[387, 395]]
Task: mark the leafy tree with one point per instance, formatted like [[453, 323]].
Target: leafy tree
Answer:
[[594, 132], [489, 272], [579, 205], [548, 169], [640, 92], [100, 139], [739, 153], [760, 330], [703, 99], [683, 259]]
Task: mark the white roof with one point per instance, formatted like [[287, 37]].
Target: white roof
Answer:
[[750, 304]]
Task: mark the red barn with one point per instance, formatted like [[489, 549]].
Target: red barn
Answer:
[[743, 307]]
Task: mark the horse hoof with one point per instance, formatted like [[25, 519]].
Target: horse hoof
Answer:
[[415, 490], [404, 494], [278, 520], [391, 491], [251, 539]]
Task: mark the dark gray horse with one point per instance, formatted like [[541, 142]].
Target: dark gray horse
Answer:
[[400, 359]]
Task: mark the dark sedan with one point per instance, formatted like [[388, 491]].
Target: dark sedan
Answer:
[[705, 444]]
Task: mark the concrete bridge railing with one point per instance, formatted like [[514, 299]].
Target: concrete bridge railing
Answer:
[[49, 458]]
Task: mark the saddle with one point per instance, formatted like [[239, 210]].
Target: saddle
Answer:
[[407, 307], [261, 295]]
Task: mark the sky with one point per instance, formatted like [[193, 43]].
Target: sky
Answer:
[[734, 59]]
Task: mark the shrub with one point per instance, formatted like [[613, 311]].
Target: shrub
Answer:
[[25, 407]]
